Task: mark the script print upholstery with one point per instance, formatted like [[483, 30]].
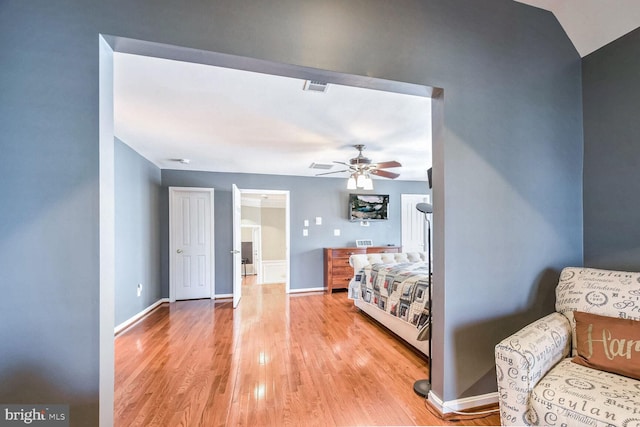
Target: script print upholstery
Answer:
[[533, 370], [523, 359], [572, 394], [604, 292]]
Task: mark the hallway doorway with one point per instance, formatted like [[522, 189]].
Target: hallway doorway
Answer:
[[265, 237]]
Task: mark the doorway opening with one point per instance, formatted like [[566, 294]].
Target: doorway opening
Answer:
[[109, 45], [264, 230]]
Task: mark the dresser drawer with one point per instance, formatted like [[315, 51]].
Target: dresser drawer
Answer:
[[339, 263], [342, 270], [384, 250], [345, 253], [340, 282]]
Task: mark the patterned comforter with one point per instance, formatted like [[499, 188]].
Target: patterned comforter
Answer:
[[401, 290]]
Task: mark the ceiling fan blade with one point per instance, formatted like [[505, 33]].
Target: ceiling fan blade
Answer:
[[389, 164], [329, 173], [385, 174], [342, 163]]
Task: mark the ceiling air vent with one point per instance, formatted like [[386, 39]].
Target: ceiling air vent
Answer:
[[323, 166], [315, 86]]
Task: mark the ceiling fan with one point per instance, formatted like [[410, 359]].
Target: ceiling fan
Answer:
[[361, 168], [363, 165]]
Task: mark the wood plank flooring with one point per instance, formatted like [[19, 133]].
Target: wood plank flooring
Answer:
[[277, 360]]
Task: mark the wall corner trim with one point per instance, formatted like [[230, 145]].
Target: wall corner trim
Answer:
[[466, 403]]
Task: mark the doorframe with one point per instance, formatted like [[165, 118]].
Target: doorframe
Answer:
[[108, 44], [287, 214], [172, 282]]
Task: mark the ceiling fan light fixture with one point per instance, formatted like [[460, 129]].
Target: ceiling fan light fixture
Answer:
[[361, 168], [364, 181], [368, 183], [351, 183]]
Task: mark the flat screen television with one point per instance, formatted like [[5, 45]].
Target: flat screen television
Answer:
[[368, 207]]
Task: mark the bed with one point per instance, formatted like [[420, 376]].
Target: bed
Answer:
[[394, 290]]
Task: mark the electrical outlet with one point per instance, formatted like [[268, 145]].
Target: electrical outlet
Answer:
[[139, 289]]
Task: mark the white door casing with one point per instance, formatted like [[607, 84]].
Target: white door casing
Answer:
[[236, 252], [413, 222], [191, 249]]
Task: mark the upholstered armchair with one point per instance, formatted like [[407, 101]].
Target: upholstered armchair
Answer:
[[547, 375]]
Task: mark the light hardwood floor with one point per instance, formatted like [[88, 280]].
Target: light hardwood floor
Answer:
[[277, 360]]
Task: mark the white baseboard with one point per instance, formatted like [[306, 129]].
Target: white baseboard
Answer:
[[135, 318], [463, 404], [297, 291], [223, 296]]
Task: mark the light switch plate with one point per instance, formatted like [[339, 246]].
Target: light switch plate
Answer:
[[336, 232], [318, 220]]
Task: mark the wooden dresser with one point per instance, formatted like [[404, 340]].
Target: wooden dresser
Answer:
[[338, 272]]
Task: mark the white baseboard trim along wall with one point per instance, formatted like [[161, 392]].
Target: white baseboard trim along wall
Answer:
[[133, 319], [463, 404], [299, 291]]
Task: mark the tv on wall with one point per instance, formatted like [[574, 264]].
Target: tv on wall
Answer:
[[368, 207]]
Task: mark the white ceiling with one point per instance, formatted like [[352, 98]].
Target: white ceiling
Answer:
[[591, 24], [228, 120]]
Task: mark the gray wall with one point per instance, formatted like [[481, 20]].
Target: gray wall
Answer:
[[612, 155], [137, 232], [508, 174], [509, 170], [309, 198]]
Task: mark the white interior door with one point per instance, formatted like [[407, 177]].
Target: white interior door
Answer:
[[191, 243], [237, 245], [413, 222]]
